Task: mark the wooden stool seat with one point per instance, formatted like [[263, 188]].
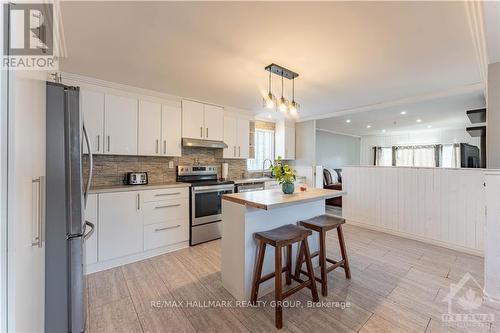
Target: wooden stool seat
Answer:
[[283, 237], [322, 224]]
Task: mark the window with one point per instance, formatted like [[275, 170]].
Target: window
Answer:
[[264, 149], [383, 156]]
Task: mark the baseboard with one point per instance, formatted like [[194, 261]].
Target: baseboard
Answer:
[[419, 238], [103, 265]]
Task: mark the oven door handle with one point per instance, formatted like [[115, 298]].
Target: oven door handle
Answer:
[[207, 189]]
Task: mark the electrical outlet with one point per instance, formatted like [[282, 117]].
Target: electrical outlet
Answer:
[[170, 164]]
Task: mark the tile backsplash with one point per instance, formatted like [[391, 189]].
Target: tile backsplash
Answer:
[[111, 169]]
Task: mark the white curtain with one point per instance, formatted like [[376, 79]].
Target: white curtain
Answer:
[[383, 156], [416, 156], [450, 156]]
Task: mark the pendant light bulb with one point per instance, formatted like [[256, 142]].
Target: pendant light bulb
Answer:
[[268, 101]]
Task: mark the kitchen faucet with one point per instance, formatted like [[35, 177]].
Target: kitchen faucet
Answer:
[[264, 164]]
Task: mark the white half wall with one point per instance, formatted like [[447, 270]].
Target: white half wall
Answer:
[[441, 206], [413, 138]]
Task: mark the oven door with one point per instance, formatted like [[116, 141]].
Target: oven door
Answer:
[[207, 203]]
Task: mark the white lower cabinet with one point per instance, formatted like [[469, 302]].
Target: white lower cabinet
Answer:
[[120, 224], [130, 224], [165, 233], [91, 242]]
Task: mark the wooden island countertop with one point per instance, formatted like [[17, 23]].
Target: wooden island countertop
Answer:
[[270, 199]]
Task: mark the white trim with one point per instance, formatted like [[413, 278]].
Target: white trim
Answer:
[[339, 133], [418, 238], [103, 265], [475, 87], [476, 24]]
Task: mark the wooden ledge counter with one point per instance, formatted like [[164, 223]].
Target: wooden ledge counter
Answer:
[[270, 199], [244, 214]]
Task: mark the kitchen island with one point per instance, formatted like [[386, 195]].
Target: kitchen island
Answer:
[[243, 214]]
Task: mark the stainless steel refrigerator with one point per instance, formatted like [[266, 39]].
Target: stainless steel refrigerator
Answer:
[[66, 228]]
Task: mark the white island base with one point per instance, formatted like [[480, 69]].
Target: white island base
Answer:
[[239, 248]]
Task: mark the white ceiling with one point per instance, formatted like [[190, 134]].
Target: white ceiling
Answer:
[[348, 54], [439, 113]]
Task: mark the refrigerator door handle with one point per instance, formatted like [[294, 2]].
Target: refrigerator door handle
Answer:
[[91, 167], [87, 235]]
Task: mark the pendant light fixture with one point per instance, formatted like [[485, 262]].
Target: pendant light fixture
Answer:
[[294, 106], [282, 103], [268, 101]]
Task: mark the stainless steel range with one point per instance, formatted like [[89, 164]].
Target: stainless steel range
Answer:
[[206, 201]]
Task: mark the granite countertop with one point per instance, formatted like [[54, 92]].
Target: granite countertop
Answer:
[[124, 188], [269, 199]]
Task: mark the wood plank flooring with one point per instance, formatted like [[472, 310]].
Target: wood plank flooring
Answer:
[[397, 285]]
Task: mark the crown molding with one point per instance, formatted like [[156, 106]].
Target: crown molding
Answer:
[[338, 133]]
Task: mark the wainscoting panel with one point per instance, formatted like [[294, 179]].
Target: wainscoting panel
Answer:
[[441, 206]]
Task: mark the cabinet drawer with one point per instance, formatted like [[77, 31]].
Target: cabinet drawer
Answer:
[[165, 194], [166, 210], [166, 233]]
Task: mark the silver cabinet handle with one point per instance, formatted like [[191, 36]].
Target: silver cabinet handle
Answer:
[[234, 151], [98, 142], [239, 151], [163, 194], [166, 228], [207, 131], [37, 240], [138, 201], [164, 147], [109, 140], [88, 234], [167, 206], [157, 147], [201, 132]]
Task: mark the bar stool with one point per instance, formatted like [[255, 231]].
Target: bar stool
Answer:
[[281, 237], [322, 224]]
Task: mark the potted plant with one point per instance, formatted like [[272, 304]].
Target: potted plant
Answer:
[[284, 175]]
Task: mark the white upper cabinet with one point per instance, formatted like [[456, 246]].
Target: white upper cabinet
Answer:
[[150, 121], [230, 126], [120, 125], [236, 136], [170, 131], [202, 121], [243, 135], [92, 104], [192, 120], [285, 141], [214, 122]]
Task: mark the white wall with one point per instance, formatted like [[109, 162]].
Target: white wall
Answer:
[[336, 150], [423, 137], [305, 143], [493, 117], [436, 205]]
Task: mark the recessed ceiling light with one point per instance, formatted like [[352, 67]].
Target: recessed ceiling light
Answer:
[[269, 116], [419, 120], [368, 126], [429, 126], [403, 112], [348, 121], [383, 131]]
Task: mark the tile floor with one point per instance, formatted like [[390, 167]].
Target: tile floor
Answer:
[[397, 285]]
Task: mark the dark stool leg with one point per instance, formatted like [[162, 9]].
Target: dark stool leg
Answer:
[[289, 264], [344, 252], [278, 311], [299, 261], [322, 263], [310, 270], [258, 272]]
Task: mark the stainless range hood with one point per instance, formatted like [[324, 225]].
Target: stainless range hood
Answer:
[[188, 142]]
